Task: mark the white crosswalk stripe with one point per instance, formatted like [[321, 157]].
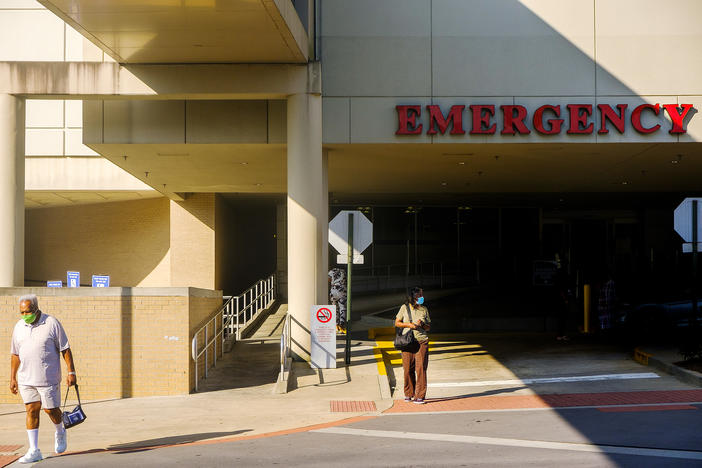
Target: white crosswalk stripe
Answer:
[[466, 439], [544, 380]]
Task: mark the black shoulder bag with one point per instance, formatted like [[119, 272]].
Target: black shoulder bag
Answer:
[[76, 415], [405, 341]]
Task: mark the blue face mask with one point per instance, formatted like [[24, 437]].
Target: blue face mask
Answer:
[[420, 300]]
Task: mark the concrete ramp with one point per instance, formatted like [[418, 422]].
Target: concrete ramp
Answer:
[[252, 362]]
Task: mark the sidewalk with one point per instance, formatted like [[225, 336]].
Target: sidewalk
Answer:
[[249, 409]]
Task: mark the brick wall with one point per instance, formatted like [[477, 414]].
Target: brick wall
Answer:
[[127, 240], [125, 342]]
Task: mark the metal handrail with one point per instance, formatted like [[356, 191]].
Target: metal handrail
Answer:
[[245, 304], [285, 341]]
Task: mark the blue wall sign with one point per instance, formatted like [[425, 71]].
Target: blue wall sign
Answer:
[[54, 284], [101, 281], [73, 279]]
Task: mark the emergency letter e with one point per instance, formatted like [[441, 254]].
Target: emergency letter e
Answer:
[[407, 120]]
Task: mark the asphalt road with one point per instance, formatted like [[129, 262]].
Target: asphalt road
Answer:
[[584, 437]]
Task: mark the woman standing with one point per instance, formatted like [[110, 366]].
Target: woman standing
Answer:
[[415, 360]]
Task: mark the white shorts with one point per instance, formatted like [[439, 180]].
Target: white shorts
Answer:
[[50, 397]]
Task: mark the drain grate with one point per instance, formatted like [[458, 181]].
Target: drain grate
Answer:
[[352, 406]]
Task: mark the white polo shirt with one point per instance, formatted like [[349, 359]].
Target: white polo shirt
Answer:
[[39, 347]]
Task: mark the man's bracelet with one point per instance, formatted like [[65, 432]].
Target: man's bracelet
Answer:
[[71, 373]]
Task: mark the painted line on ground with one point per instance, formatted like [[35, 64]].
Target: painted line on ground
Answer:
[[549, 408], [579, 378], [643, 408], [538, 444]]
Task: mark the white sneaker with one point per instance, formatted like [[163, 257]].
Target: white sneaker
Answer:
[[60, 441], [31, 456]]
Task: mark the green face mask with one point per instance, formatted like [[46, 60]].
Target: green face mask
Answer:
[[30, 318]]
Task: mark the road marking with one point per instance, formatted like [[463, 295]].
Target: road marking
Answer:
[[549, 408], [465, 439], [631, 409], [579, 378]]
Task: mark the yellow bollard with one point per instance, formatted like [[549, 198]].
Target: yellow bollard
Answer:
[[586, 308]]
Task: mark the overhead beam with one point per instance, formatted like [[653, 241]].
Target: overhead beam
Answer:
[[80, 80]]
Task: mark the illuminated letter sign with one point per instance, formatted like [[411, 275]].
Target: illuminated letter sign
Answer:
[[545, 120], [511, 120], [554, 124], [455, 116], [481, 119], [407, 116], [607, 113]]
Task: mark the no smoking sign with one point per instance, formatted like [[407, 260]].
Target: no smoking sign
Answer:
[[323, 331], [324, 315]]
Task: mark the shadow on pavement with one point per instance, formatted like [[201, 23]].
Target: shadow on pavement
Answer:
[[151, 444]]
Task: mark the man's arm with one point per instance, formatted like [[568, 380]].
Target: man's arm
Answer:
[[14, 366], [68, 357]]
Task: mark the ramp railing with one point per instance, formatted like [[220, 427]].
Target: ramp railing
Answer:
[[285, 341], [232, 318]]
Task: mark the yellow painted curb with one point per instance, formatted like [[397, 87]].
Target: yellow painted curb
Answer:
[[373, 332], [641, 357], [379, 361]]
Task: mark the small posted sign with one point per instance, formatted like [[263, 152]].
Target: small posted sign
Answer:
[[101, 281], [73, 279], [323, 330]]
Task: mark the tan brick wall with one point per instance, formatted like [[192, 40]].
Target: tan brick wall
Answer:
[[123, 345], [200, 313], [127, 240]]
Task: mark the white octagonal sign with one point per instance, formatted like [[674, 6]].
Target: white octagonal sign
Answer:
[[339, 232], [682, 219]]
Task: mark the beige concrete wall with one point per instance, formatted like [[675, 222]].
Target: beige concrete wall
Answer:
[[528, 52], [54, 128], [192, 241], [177, 121], [127, 240], [125, 342]]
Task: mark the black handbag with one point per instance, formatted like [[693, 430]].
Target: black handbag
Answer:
[[405, 341], [76, 415]]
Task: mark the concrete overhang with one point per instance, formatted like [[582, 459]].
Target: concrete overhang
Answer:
[[80, 80], [189, 31], [446, 172]]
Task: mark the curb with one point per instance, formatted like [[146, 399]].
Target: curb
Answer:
[[282, 385], [684, 375]]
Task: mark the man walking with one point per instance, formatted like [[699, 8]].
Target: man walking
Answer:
[[35, 371]]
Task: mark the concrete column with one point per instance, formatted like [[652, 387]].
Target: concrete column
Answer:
[[11, 191], [193, 241], [306, 186]]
